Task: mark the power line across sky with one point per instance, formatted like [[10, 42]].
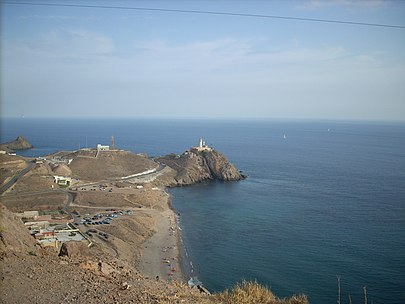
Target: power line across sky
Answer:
[[219, 13]]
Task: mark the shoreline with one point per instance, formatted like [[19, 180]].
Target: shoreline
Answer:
[[185, 263], [161, 253]]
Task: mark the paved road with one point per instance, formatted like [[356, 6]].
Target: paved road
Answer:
[[15, 178], [120, 179]]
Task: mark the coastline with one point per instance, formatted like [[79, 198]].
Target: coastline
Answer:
[[161, 253]]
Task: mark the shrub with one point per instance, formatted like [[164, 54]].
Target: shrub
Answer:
[[253, 292]]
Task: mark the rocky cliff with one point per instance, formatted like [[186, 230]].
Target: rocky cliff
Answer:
[[196, 166], [14, 236], [20, 143]]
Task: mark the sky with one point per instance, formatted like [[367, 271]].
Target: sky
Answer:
[[78, 62]]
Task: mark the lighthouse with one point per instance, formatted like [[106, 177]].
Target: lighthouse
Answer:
[[202, 146]]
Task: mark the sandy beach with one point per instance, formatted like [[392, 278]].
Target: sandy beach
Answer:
[[160, 253]]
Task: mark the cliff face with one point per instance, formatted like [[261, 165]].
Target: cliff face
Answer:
[[14, 236], [20, 143], [196, 166], [220, 167]]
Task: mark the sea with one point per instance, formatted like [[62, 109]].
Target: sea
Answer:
[[323, 199]]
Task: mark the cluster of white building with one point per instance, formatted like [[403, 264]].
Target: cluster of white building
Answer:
[[50, 232], [101, 147]]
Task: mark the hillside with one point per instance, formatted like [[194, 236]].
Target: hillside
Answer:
[[14, 237], [108, 165], [9, 166], [78, 277]]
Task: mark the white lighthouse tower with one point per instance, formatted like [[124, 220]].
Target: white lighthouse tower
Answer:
[[202, 146]]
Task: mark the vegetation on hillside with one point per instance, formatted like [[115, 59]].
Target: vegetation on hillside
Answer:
[[253, 292]]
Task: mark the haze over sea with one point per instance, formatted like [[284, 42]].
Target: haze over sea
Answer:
[[327, 200]]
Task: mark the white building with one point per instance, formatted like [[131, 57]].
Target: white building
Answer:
[[62, 180], [28, 214], [202, 146], [101, 147]]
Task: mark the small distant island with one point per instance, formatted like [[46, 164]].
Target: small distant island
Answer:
[[20, 143], [102, 218]]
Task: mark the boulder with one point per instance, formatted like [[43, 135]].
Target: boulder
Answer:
[[14, 236], [74, 249]]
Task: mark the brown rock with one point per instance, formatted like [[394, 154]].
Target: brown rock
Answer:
[[196, 166], [89, 265], [74, 249], [106, 269], [20, 143], [14, 236]]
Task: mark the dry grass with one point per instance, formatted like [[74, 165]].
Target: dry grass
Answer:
[[42, 202], [9, 166], [109, 165], [181, 293], [253, 292]]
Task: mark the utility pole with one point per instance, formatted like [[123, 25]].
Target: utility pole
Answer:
[[112, 142]]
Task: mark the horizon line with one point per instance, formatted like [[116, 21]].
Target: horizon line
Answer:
[[202, 118]]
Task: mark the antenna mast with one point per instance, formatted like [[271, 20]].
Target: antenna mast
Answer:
[[112, 142]]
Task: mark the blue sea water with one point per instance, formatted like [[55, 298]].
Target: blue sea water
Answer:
[[327, 200]]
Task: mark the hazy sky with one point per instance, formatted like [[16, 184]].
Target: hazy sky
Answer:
[[94, 62]]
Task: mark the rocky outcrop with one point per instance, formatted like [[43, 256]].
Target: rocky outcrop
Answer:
[[14, 236], [196, 166], [220, 167], [20, 143], [74, 249], [100, 268]]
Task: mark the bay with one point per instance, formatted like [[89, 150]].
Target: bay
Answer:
[[326, 200]]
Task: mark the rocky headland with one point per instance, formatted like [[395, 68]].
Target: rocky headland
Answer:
[[195, 166], [20, 143]]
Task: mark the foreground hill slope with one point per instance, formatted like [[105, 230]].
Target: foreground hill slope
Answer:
[[28, 273], [14, 236]]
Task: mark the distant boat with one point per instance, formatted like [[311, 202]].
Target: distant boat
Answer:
[[284, 136]]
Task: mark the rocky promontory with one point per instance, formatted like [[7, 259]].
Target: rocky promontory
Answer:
[[195, 166], [20, 143]]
